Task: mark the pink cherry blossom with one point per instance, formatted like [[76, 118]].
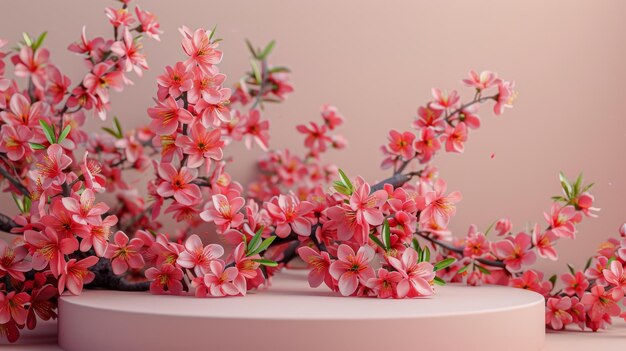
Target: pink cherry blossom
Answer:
[[59, 83], [223, 211], [52, 164], [202, 146], [616, 277], [515, 252], [256, 130], [174, 81], [289, 213], [427, 144], [101, 78], [319, 263], [439, 207], [598, 264], [166, 115], [505, 97], [200, 49], [532, 280], [83, 209], [444, 100], [119, 17], [385, 284], [455, 137], [77, 273], [166, 279], [557, 316], [331, 117], [316, 137], [12, 261], [503, 226], [148, 23], [12, 307], [220, 281], [206, 85], [90, 48], [131, 52], [29, 63], [562, 220], [178, 183], [585, 202], [352, 269], [21, 111], [124, 253], [476, 244], [197, 256], [482, 81], [543, 243], [98, 236], [15, 141], [401, 143], [599, 303], [575, 284], [49, 249], [429, 117], [417, 277]]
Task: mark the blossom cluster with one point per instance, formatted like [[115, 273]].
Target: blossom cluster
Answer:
[[81, 222], [54, 170]]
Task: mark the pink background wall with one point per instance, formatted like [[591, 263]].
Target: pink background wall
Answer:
[[378, 63]]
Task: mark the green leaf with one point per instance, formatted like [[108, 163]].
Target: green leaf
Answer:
[[444, 263], [65, 132], [48, 131], [571, 269], [386, 234], [264, 245], [278, 69], [110, 131], [490, 227], [552, 280], [567, 188], [462, 270], [342, 189], [118, 126], [268, 49], [439, 281], [588, 264], [256, 70], [346, 181], [416, 245], [578, 184], [27, 39], [251, 48], [425, 256], [37, 146], [27, 203], [265, 262], [588, 187], [377, 241], [39, 41], [483, 269], [18, 203], [212, 32], [558, 198], [254, 242]]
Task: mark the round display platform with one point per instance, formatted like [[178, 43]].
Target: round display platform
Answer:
[[292, 316]]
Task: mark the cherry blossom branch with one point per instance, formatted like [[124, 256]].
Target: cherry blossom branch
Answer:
[[105, 278], [458, 250]]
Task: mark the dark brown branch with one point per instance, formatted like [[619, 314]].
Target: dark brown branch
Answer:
[[397, 180], [14, 181], [6, 223], [105, 278]]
